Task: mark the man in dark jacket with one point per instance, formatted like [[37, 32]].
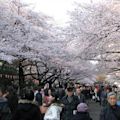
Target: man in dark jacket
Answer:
[[38, 97], [60, 92], [112, 110], [12, 99], [80, 96], [70, 103]]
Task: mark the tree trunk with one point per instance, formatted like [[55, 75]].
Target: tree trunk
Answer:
[[21, 78]]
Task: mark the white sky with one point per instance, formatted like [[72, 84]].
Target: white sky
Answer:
[[55, 8]]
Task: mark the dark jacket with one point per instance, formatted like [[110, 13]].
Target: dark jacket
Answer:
[[27, 110], [60, 92], [103, 98], [5, 113], [82, 116], [12, 102], [39, 98], [69, 107], [81, 98], [110, 113]]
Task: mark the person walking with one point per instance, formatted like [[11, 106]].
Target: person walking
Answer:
[[79, 95], [5, 113], [54, 110], [12, 99], [38, 97], [82, 112], [70, 102], [112, 110], [27, 109]]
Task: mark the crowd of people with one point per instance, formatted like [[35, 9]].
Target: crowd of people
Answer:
[[59, 102]]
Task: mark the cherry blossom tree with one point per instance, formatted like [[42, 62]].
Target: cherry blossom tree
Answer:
[[88, 46], [26, 35], [93, 36]]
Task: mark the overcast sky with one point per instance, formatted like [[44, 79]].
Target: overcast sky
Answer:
[[55, 8]]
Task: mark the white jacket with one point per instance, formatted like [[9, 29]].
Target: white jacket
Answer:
[[53, 112]]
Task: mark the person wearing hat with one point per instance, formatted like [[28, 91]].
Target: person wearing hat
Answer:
[[82, 112], [70, 102], [112, 110]]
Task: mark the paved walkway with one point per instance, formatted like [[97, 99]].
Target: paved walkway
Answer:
[[94, 109]]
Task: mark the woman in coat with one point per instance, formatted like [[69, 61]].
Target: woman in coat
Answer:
[[54, 110]]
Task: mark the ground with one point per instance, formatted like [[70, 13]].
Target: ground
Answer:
[[94, 109]]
